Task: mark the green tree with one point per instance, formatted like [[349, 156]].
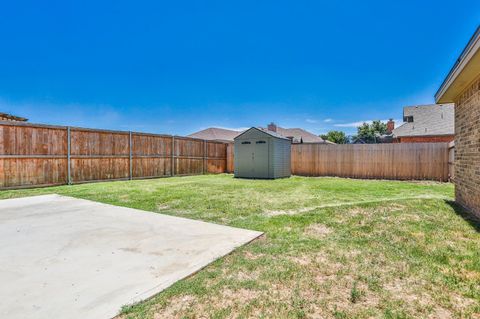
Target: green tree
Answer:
[[338, 137], [370, 132]]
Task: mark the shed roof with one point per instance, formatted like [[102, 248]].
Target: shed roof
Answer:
[[428, 120], [271, 133]]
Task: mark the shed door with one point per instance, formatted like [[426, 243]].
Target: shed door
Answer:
[[260, 158], [244, 158]]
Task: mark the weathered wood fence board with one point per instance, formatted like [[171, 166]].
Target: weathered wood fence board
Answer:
[[40, 155], [403, 161], [151, 155], [230, 157], [217, 161], [36, 155]]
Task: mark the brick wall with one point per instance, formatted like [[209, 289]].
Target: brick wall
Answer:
[[426, 139], [467, 148]]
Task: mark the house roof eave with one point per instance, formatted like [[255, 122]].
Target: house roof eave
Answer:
[[463, 72]]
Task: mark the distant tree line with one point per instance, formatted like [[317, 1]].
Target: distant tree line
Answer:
[[337, 137], [366, 133]]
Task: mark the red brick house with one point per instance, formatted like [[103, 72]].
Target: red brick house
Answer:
[[426, 124], [462, 86]]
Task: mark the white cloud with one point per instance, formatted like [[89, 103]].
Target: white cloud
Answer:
[[311, 121], [328, 120], [352, 124], [358, 123]]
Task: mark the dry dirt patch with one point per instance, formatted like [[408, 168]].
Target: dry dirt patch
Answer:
[[272, 213], [175, 307], [318, 231], [180, 307]]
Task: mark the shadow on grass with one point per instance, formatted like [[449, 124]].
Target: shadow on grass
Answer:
[[465, 214]]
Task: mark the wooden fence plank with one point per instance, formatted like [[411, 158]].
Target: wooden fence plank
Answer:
[[152, 155], [230, 161], [216, 157]]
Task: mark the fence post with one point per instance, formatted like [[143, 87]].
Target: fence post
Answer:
[[173, 157], [69, 169], [130, 162]]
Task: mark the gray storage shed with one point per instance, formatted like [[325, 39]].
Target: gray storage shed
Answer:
[[262, 154]]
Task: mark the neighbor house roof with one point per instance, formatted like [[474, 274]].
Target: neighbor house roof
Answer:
[[463, 72], [10, 117], [428, 120], [215, 133], [296, 134], [300, 135]]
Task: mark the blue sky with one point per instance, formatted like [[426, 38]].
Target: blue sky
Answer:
[[180, 66]]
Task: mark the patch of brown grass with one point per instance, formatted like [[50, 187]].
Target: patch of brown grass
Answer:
[[318, 231], [176, 307], [272, 213]]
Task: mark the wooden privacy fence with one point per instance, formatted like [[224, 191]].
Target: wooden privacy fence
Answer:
[[40, 155], [402, 161]]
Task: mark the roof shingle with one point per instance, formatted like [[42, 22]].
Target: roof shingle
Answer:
[[297, 135], [215, 133], [428, 120]]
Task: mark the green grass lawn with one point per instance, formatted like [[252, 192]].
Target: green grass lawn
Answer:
[[333, 248]]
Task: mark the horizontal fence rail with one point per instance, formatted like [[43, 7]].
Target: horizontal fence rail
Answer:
[[41, 155], [402, 161]]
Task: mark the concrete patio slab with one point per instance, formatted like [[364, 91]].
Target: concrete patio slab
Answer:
[[62, 257]]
